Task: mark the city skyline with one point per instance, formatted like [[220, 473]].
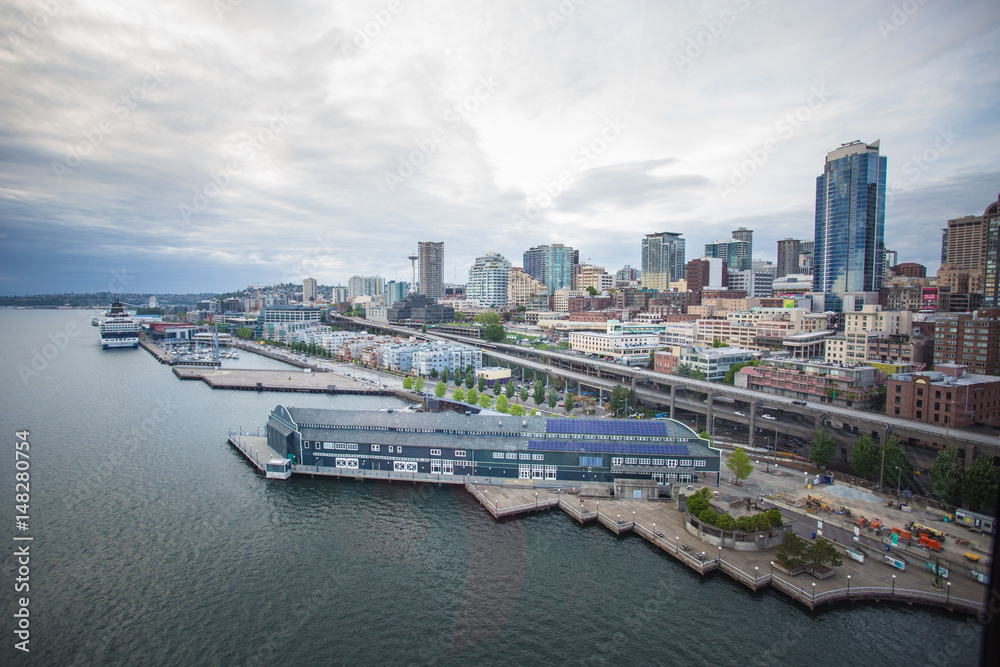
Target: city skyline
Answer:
[[159, 149]]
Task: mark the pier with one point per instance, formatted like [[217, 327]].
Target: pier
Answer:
[[281, 380], [161, 355]]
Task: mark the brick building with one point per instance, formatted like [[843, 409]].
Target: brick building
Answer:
[[947, 396]]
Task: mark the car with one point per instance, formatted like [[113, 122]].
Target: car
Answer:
[[769, 418], [798, 403], [739, 414]]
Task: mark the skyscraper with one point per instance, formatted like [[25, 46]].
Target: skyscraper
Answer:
[[309, 289], [735, 252], [551, 264], [850, 215], [788, 257], [662, 260], [431, 279], [488, 280], [991, 282], [746, 235]]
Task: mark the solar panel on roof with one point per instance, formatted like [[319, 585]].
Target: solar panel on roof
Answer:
[[605, 427], [610, 447]]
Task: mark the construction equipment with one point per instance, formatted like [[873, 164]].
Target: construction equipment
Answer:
[[930, 543], [920, 529], [971, 556]]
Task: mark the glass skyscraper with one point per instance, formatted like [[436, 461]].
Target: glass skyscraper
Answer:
[[849, 252], [553, 265], [662, 260]]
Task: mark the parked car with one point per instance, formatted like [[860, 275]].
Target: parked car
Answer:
[[739, 414], [769, 417], [798, 402]]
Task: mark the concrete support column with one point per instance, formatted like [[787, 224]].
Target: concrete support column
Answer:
[[970, 454], [883, 435], [752, 416], [673, 399], [708, 413]]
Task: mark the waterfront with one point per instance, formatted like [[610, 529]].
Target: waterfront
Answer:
[[157, 543]]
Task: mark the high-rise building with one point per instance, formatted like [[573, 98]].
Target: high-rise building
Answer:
[[365, 286], [523, 290], [431, 279], [891, 259], [806, 257], [488, 280], [553, 265], [788, 257], [627, 274], [309, 289], [395, 290], [850, 217], [734, 252], [746, 235], [991, 271], [662, 260], [706, 273], [965, 247]]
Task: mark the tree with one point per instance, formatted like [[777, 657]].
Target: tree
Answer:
[[445, 374], [553, 398], [821, 448], [408, 382], [502, 404], [704, 435], [494, 333], [822, 552], [245, 333], [440, 389], [532, 412], [472, 397], [716, 342], [418, 384], [517, 410], [792, 550], [864, 456], [622, 401], [459, 394], [893, 457], [508, 389], [730, 377], [740, 464], [946, 475], [591, 290], [469, 380], [539, 393], [481, 384], [523, 395], [484, 401], [569, 402], [434, 373], [979, 483], [488, 317], [497, 388]]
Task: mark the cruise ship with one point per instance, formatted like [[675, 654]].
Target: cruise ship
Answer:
[[118, 328]]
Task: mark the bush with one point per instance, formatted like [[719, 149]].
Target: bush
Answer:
[[774, 516], [726, 522], [745, 524], [709, 516], [761, 521]]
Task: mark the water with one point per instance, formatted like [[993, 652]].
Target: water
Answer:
[[156, 543]]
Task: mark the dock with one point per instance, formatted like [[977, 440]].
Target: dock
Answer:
[[280, 380], [161, 355], [254, 448]]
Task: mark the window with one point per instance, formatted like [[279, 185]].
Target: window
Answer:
[[920, 403], [375, 448], [631, 462], [511, 455], [937, 394], [499, 455], [686, 463], [659, 462], [698, 463], [899, 388], [390, 449], [538, 457], [524, 472], [404, 466], [435, 452], [524, 457], [671, 463], [537, 472], [897, 411], [919, 414], [591, 461], [644, 462], [920, 391], [897, 400], [616, 460], [351, 464], [460, 453], [306, 444]]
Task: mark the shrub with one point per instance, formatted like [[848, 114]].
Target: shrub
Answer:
[[745, 524], [774, 516], [726, 522]]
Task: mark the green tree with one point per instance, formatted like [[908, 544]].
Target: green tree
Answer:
[[946, 475], [502, 404], [523, 394], [459, 394], [730, 377], [792, 550], [472, 397], [539, 393], [822, 552], [591, 290], [517, 410], [481, 384], [497, 388], [864, 456], [408, 382], [553, 398], [470, 381], [716, 342], [418, 384], [245, 333], [704, 435], [569, 402], [821, 448], [485, 401], [893, 457], [774, 517], [494, 333], [445, 374], [508, 389], [434, 373], [740, 464], [486, 318], [533, 412], [440, 389], [622, 401], [979, 483]]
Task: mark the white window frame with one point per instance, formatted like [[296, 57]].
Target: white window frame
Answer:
[[671, 463], [460, 453], [374, 448], [435, 452], [698, 463]]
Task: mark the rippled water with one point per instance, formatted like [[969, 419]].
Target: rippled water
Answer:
[[156, 543]]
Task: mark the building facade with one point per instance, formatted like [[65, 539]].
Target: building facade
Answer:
[[735, 253], [523, 290], [488, 280], [662, 260], [849, 251], [968, 339], [947, 396], [309, 289], [430, 279], [553, 265]]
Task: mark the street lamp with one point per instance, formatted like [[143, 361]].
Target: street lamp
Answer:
[[772, 572], [720, 556], [814, 593], [756, 574], [893, 584], [948, 598], [677, 546], [633, 518], [899, 477], [654, 533], [848, 587]]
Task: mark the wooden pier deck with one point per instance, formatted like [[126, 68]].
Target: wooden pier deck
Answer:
[[662, 524], [254, 448], [277, 380]]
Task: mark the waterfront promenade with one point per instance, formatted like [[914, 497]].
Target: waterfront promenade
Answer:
[[277, 380]]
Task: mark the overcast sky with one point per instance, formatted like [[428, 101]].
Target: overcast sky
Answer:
[[204, 146]]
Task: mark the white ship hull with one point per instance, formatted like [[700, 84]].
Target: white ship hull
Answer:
[[119, 342]]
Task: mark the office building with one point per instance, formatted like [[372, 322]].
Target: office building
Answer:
[[309, 289], [662, 260], [745, 235], [968, 339], [991, 269], [365, 286], [788, 257], [947, 396], [849, 251], [706, 273], [488, 280], [735, 253], [910, 270], [430, 255], [553, 265]]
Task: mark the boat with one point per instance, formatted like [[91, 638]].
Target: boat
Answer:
[[118, 328]]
